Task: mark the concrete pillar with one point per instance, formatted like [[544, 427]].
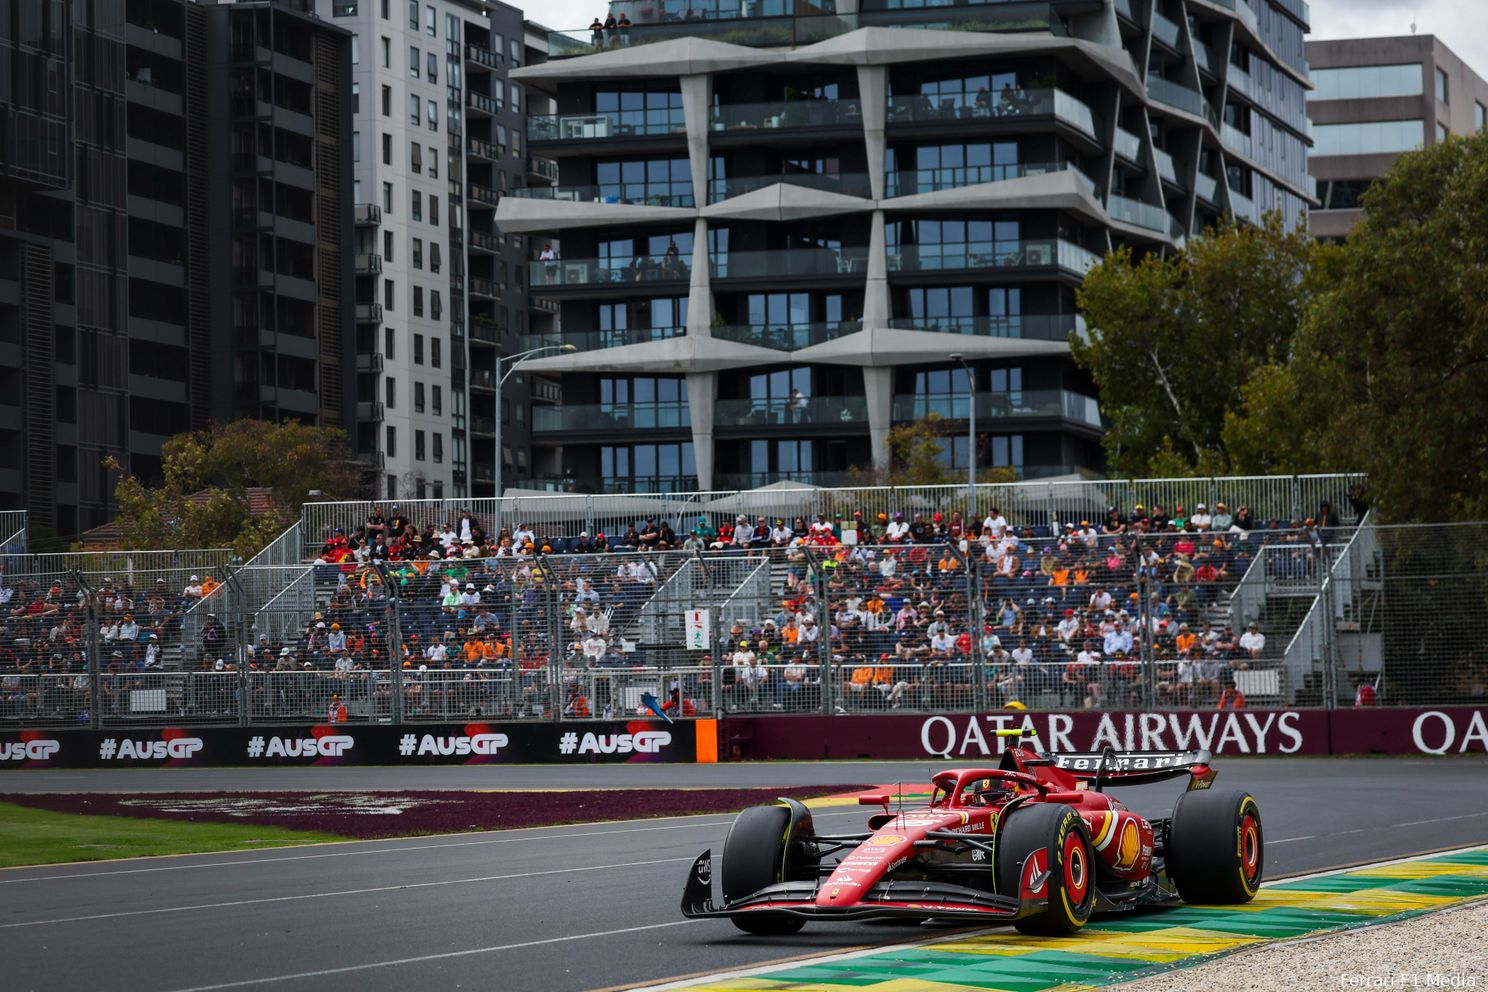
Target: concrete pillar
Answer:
[[878, 389], [702, 395], [873, 88], [700, 285], [876, 309], [697, 100]]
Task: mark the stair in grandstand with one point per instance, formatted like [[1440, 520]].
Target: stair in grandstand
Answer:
[[736, 587]]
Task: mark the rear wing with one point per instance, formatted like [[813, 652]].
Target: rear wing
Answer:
[[1136, 767]]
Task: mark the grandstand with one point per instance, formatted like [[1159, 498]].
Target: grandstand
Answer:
[[852, 601]]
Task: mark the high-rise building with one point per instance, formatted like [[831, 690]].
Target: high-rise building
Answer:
[[436, 142], [777, 226], [1374, 98], [172, 235]]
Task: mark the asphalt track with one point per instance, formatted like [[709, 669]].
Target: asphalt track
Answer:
[[565, 908]]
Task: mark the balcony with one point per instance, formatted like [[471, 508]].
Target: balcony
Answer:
[[481, 380], [790, 262], [544, 169], [1173, 94], [1165, 31], [847, 184], [368, 263], [585, 418], [1235, 139], [476, 148], [1007, 105], [484, 288], [485, 329], [1207, 188], [1144, 215], [612, 124], [598, 340], [482, 56], [483, 242], [787, 114], [1165, 166], [781, 411], [787, 337], [483, 426], [369, 410], [1013, 255], [482, 194], [1242, 207], [369, 313], [368, 363], [1201, 56], [1029, 327], [481, 104], [1027, 403], [651, 194], [571, 272], [1128, 146], [367, 214], [910, 182], [1239, 80]]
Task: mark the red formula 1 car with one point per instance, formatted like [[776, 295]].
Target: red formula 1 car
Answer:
[[1035, 842]]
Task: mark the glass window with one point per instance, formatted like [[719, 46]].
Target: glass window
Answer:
[[435, 346], [413, 108], [356, 146], [390, 391], [392, 449], [418, 205], [387, 53], [387, 198], [417, 158], [431, 23], [418, 349], [1480, 116], [387, 101], [1342, 194], [356, 51], [1441, 132], [1442, 92], [1369, 138], [431, 66], [413, 14], [438, 448], [415, 61], [389, 340], [418, 397], [387, 149], [1366, 82], [433, 108], [437, 398], [418, 446]]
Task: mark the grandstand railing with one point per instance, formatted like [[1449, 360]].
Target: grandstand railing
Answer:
[[1043, 504], [12, 532]]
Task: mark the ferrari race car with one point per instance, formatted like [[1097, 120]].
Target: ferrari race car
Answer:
[[1035, 842]]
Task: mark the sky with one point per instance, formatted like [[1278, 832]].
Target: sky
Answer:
[[1462, 24]]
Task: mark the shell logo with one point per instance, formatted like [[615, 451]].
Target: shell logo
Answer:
[[1131, 845], [886, 840]]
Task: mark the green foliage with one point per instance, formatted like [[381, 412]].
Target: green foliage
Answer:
[[1388, 373], [203, 500], [1174, 340], [914, 458]]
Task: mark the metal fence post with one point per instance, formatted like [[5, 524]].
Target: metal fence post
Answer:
[[237, 596], [394, 644], [556, 658], [823, 614], [95, 656], [971, 564]]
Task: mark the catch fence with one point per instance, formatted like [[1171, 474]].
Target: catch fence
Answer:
[[1292, 617]]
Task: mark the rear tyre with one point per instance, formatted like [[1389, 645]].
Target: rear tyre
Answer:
[[754, 856], [1057, 836], [1216, 847]]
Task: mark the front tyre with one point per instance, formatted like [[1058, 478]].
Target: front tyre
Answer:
[[1216, 847], [754, 856], [1056, 836]]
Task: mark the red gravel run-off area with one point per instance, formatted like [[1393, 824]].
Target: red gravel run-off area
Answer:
[[370, 815]]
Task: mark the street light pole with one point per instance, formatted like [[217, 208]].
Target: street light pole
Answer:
[[500, 380], [971, 445]]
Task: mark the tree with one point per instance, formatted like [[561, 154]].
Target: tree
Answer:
[[1174, 339], [203, 500], [1388, 374], [916, 458]]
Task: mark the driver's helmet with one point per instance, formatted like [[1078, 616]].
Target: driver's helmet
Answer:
[[987, 790]]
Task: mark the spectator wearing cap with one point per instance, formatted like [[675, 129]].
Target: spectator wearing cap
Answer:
[[898, 531], [193, 590], [995, 524], [1222, 519], [335, 639], [1252, 643], [1201, 518]]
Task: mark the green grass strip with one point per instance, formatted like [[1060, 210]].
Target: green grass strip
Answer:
[[42, 837]]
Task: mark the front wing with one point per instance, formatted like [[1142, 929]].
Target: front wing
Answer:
[[887, 899]]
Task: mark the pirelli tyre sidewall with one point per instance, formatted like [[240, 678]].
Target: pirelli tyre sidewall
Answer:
[[1216, 847], [754, 856], [1060, 833]]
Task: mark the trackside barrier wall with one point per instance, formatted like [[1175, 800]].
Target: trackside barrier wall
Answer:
[[962, 738]]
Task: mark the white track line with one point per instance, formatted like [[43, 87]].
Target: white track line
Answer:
[[758, 970], [343, 892], [1366, 830], [431, 957], [548, 838]]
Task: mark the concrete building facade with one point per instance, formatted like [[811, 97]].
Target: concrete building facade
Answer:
[[775, 230], [1373, 99], [437, 140], [124, 149]]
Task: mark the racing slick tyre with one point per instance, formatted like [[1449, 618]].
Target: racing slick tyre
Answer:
[[1216, 848], [1058, 835], [754, 856]]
